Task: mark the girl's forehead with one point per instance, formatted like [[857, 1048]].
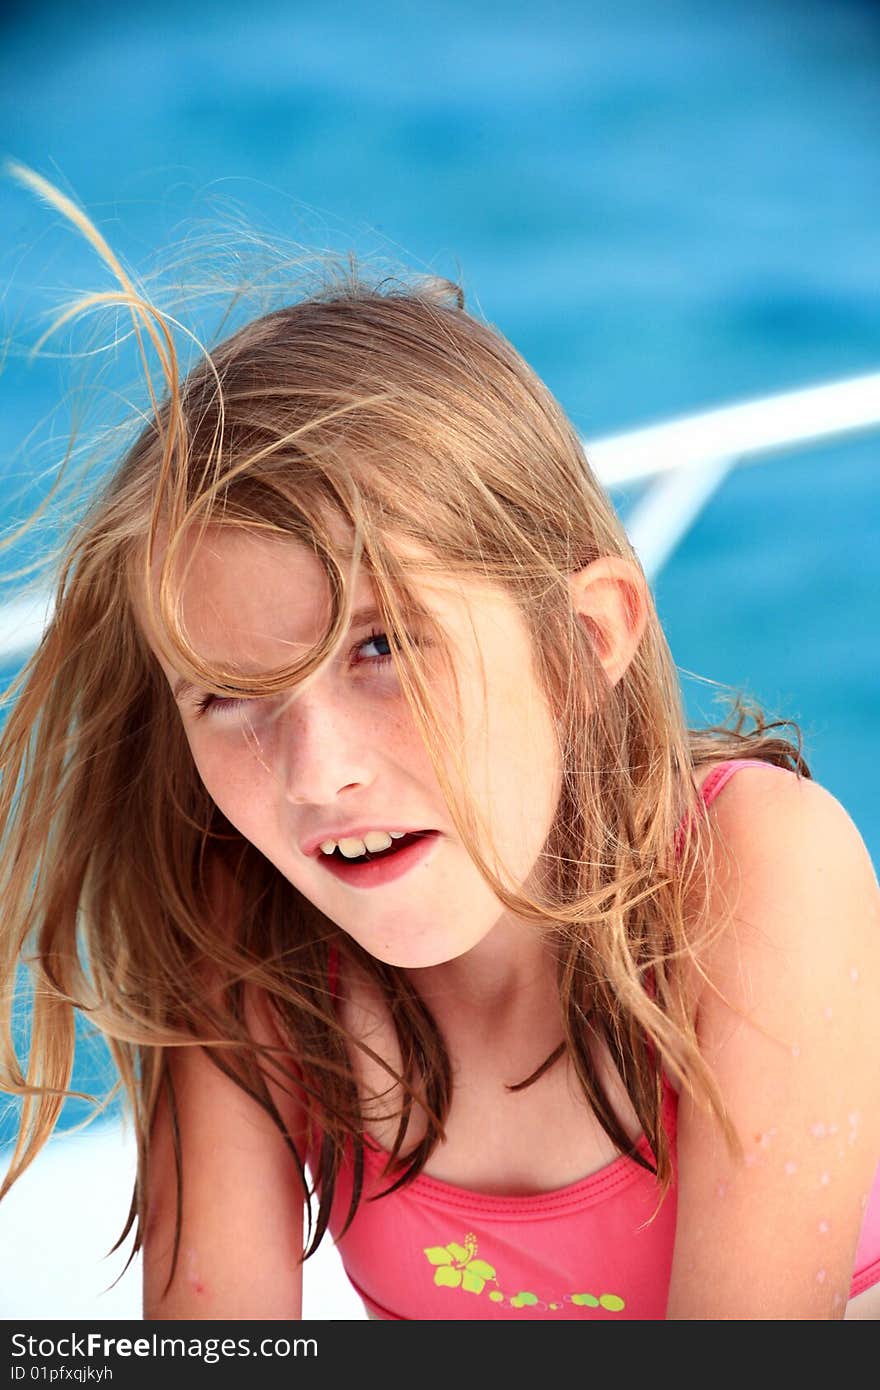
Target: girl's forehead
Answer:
[[241, 585], [228, 562]]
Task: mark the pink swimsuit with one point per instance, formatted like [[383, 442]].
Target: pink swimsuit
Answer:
[[433, 1250]]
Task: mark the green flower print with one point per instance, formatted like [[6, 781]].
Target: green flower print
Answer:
[[457, 1267]]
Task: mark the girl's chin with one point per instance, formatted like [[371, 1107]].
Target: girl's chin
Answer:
[[408, 955]]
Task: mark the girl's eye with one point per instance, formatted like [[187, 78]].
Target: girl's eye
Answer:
[[221, 706], [216, 705], [379, 639]]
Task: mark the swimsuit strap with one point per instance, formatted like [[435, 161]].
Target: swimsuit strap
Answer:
[[721, 775]]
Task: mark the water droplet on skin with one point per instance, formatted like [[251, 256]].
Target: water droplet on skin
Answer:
[[751, 1160], [853, 1119], [821, 1276], [838, 1300], [827, 1011], [825, 1179], [790, 1168], [818, 1130], [795, 1051], [832, 1129], [721, 1190], [193, 1273], [824, 1228], [854, 974]]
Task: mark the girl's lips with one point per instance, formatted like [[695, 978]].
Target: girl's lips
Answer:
[[372, 873]]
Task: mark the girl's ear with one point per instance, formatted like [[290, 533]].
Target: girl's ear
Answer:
[[610, 595]]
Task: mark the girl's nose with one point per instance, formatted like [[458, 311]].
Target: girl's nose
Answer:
[[322, 749]]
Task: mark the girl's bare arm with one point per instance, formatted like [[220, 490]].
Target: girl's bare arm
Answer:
[[243, 1201], [775, 1236], [242, 1206]]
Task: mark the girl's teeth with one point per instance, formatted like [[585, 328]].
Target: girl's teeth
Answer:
[[352, 847], [373, 841]]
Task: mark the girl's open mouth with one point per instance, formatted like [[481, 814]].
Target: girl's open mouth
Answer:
[[382, 866]]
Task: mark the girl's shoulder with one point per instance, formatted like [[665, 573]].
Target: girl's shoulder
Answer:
[[783, 850], [730, 789], [773, 829], [712, 776], [787, 859], [770, 810], [754, 803]]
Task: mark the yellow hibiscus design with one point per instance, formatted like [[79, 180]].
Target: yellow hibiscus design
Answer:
[[458, 1267]]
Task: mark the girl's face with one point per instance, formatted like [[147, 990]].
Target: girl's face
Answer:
[[346, 754]]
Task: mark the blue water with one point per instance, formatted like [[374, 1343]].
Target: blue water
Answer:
[[665, 207]]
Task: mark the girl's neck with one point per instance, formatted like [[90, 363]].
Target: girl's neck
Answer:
[[508, 974]]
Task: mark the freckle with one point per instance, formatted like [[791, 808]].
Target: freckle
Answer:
[[821, 1276], [790, 1167], [854, 974], [825, 1179], [824, 1228], [817, 1130]]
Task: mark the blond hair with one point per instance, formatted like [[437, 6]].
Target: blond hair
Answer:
[[390, 406]]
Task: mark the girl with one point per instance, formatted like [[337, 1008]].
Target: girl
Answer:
[[350, 794]]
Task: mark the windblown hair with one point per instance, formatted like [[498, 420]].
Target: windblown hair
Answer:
[[389, 407]]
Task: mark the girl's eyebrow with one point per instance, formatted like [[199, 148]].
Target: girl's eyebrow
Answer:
[[183, 687]]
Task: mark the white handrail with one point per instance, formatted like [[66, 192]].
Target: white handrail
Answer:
[[690, 458], [695, 452], [748, 430], [22, 621], [657, 522]]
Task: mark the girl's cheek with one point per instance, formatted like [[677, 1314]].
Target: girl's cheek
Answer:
[[231, 776]]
